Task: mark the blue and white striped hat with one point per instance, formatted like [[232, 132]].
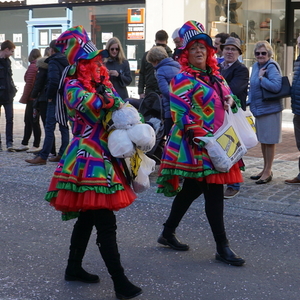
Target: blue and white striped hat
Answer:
[[193, 30]]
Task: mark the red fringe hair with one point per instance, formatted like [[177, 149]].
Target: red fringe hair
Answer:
[[86, 73], [211, 60]]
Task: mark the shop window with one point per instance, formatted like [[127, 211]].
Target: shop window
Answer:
[[104, 22], [252, 21]]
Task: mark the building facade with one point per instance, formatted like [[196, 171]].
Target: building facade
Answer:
[[34, 23]]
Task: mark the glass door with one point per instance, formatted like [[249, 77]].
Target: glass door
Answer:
[[44, 35]]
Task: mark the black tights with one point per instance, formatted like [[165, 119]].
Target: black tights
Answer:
[[103, 219], [214, 204], [105, 222]]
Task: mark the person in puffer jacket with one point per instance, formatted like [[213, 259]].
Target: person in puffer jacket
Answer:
[[295, 94], [266, 74], [31, 125], [39, 93], [166, 68]]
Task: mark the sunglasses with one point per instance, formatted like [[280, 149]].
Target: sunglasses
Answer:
[[263, 53], [114, 49]]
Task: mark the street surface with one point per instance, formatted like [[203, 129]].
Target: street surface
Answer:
[[263, 226]]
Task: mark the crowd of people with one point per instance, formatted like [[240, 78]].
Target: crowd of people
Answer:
[[76, 84]]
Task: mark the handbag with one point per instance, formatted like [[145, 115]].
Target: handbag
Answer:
[[283, 93], [226, 147], [244, 129]]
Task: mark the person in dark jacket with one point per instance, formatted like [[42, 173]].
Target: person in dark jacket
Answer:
[[7, 90], [39, 94], [295, 95], [178, 43], [56, 64], [31, 125], [166, 68], [220, 39], [147, 80], [118, 66], [235, 72], [237, 76]]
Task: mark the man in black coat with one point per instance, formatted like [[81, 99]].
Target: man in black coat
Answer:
[[235, 72], [237, 77], [147, 79], [7, 91]]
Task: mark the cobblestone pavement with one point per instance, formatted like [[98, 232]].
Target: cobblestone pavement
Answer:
[[275, 196]]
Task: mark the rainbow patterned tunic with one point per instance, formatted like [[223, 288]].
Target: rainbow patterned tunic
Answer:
[[196, 103], [87, 176]]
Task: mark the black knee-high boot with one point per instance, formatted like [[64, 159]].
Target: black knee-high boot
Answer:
[[79, 240], [107, 243]]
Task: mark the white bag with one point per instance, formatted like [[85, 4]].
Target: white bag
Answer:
[[225, 148], [142, 182], [244, 129], [143, 136], [125, 117], [119, 144], [250, 119]]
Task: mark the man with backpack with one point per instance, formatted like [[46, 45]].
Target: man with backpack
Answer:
[[56, 64]]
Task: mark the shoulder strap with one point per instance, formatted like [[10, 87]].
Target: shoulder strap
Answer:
[[272, 63]]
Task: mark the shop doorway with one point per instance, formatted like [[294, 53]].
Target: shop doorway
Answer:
[[42, 36], [292, 22]]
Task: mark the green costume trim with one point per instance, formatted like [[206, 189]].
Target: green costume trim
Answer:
[[66, 216], [81, 189], [167, 174], [50, 195]]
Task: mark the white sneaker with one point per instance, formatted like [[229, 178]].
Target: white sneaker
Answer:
[[34, 150], [10, 148], [21, 148]]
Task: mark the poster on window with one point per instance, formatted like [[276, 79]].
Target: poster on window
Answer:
[[2, 37], [43, 37], [17, 52], [17, 37], [105, 36], [136, 24]]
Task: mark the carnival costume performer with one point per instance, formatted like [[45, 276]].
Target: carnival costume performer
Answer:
[[88, 182], [199, 98]]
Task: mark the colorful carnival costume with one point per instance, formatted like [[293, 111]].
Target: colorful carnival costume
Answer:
[[198, 96], [88, 177], [196, 105], [88, 182]]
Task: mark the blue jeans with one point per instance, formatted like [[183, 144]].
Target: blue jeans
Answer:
[[49, 133], [9, 116], [235, 186]]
